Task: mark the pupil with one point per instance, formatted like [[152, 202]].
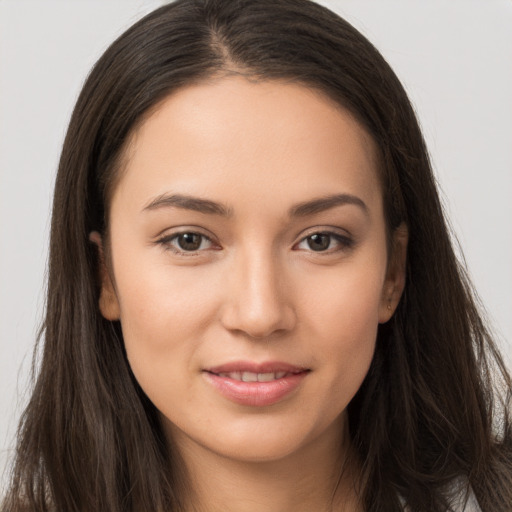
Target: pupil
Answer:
[[319, 242], [189, 241]]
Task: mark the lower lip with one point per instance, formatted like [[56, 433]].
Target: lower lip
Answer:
[[255, 394]]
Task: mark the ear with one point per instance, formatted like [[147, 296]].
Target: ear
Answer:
[[395, 275], [108, 303]]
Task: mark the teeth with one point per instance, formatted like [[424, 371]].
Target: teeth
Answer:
[[254, 377], [249, 377], [266, 377]]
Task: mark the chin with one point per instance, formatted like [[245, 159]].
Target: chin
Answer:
[[262, 439], [258, 450]]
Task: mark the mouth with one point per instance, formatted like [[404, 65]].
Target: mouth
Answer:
[[254, 384], [254, 377]]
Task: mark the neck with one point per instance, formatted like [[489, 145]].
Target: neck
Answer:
[[318, 477]]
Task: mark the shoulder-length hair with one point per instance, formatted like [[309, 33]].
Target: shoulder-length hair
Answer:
[[435, 404]]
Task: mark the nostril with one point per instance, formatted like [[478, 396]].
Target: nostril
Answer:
[[256, 302]]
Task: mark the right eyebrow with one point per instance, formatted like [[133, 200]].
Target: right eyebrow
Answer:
[[187, 202]]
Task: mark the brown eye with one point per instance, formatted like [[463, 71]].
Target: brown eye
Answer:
[[189, 241], [325, 242], [186, 242], [319, 241]]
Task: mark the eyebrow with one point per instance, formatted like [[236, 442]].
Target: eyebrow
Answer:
[[326, 203], [188, 203], [207, 206]]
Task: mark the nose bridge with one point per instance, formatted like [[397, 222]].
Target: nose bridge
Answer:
[[258, 302]]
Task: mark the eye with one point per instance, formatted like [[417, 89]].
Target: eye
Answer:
[[325, 242], [186, 242]]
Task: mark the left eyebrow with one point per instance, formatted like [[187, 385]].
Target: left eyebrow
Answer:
[[325, 203]]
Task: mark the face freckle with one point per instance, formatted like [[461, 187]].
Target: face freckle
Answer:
[[248, 243]]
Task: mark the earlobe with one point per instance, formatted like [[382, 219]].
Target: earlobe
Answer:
[[395, 278], [108, 302]]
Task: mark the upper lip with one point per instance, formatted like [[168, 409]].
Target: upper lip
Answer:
[[253, 367]]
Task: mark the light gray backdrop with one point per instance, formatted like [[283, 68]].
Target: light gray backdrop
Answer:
[[455, 59]]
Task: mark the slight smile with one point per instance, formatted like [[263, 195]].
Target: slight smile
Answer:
[[254, 384]]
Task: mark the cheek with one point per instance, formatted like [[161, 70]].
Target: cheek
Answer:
[[153, 292], [348, 326], [343, 318], [163, 314], [347, 299]]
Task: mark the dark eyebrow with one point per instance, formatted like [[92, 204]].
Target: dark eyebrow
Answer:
[[207, 206], [325, 203], [188, 203]]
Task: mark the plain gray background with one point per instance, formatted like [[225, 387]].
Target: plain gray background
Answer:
[[454, 58]]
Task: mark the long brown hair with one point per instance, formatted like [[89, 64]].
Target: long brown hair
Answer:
[[435, 404]]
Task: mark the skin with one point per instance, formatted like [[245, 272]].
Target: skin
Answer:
[[254, 290]]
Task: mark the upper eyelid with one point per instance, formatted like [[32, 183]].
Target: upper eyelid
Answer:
[[171, 232], [336, 236], [328, 230]]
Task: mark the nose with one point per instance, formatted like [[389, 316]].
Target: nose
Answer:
[[259, 299]]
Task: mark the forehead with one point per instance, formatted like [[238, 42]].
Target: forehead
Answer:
[[232, 137]]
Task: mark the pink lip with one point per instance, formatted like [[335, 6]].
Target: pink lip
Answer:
[[256, 394]]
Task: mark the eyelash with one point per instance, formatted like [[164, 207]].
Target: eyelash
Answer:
[[167, 242], [344, 242]]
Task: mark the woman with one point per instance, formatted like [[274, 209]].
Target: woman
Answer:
[[253, 303]]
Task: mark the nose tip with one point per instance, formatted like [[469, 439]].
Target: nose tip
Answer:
[[258, 304], [257, 322]]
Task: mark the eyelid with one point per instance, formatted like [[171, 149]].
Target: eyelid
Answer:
[[183, 228], [344, 238], [326, 229], [165, 240]]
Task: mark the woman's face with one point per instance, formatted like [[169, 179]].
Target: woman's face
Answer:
[[249, 265]]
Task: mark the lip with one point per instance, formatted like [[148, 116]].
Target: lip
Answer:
[[251, 366], [255, 394]]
